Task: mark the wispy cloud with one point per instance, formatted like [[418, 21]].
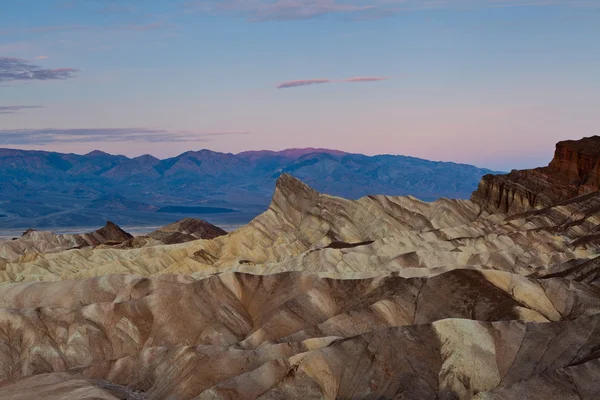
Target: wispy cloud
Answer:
[[366, 79], [141, 135], [269, 10], [16, 69], [303, 82], [14, 109], [308, 82]]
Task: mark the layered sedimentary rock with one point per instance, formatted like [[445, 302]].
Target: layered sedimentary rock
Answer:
[[39, 242], [574, 170], [321, 297]]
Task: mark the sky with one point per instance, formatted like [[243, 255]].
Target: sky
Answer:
[[494, 83]]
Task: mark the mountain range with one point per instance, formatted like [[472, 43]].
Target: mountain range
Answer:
[[46, 189]]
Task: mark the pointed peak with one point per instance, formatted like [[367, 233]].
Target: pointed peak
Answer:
[[113, 231], [292, 191], [287, 181]]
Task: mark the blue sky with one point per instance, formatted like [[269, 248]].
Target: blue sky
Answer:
[[489, 82]]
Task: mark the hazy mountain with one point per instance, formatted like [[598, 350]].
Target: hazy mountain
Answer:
[[46, 189]]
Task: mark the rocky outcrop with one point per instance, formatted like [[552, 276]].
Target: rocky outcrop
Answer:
[[578, 163], [574, 170]]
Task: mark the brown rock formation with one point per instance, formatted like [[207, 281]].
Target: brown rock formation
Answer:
[[110, 233], [574, 170], [186, 230]]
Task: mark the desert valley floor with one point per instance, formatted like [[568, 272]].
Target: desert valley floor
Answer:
[[320, 297]]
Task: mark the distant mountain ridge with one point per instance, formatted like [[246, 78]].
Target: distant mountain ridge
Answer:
[[48, 189]]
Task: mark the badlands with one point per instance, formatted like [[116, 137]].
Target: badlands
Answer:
[[320, 297]]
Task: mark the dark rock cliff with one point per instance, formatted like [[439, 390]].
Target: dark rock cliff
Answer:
[[574, 170]]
